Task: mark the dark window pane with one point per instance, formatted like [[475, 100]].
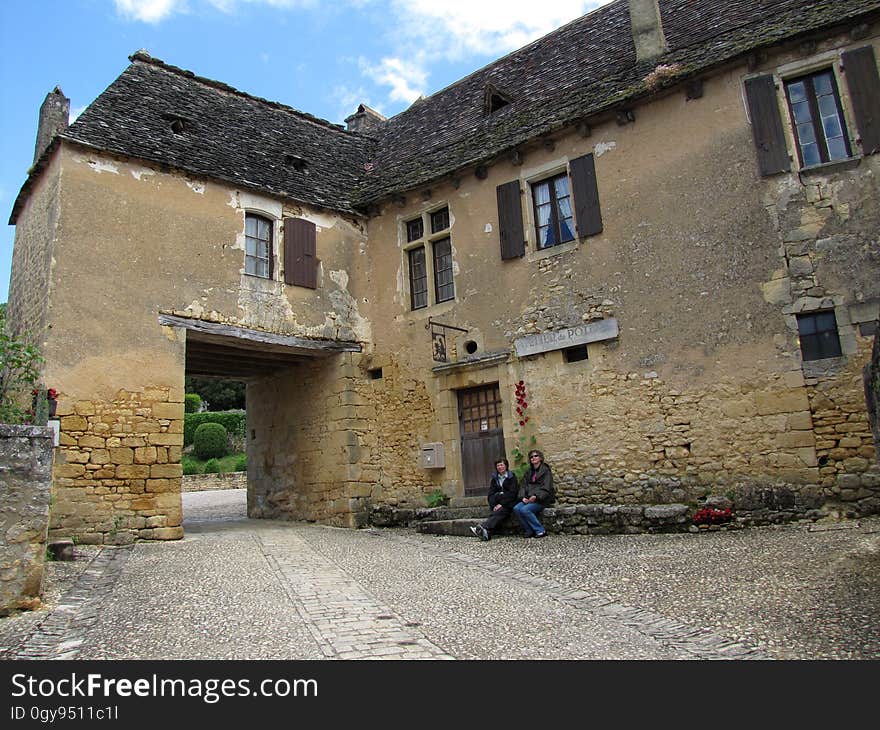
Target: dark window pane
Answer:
[[820, 127], [444, 286], [554, 221], [575, 354], [440, 220], [258, 246], [418, 278], [818, 335], [414, 230]]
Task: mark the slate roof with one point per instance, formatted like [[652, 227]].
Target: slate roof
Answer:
[[580, 71]]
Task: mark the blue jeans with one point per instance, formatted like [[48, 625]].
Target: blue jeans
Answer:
[[527, 514]]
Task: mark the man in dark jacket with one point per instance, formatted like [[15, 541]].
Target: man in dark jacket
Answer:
[[503, 493]]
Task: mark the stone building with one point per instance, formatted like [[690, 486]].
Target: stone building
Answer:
[[660, 219]]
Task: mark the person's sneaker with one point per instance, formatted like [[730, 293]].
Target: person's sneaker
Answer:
[[475, 531], [541, 534], [484, 534]]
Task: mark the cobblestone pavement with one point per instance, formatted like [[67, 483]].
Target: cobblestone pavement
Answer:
[[249, 589]]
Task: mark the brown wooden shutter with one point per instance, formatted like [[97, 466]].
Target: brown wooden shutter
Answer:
[[864, 91], [767, 125], [510, 222], [300, 262], [587, 214]]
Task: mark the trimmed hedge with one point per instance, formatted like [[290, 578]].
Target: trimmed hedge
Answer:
[[192, 402], [212, 466], [234, 422], [210, 440]]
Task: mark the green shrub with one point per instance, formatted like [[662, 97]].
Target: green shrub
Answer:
[[241, 463], [192, 402], [212, 466], [209, 441], [234, 422], [437, 498], [189, 466]]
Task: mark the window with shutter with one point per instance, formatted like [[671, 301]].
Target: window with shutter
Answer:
[[257, 246], [587, 213], [817, 118], [300, 259]]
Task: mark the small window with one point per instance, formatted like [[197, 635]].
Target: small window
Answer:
[[375, 373], [575, 354], [258, 246], [554, 220], [418, 278], [818, 335], [444, 287], [440, 220], [817, 118], [414, 230]]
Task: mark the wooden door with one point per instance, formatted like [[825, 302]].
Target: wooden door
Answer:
[[482, 436]]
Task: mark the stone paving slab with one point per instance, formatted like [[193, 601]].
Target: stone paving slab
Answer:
[[248, 589]]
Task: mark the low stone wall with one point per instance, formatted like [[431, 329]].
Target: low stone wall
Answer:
[[200, 482], [26, 457], [871, 375]]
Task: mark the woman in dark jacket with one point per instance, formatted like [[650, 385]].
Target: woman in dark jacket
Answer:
[[503, 493], [535, 493]]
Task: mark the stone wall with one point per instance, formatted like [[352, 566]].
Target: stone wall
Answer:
[[204, 482], [26, 454], [117, 474], [871, 378]]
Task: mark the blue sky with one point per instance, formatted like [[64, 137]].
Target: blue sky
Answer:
[[323, 58]]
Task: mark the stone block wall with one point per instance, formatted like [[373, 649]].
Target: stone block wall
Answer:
[[871, 378], [117, 474], [26, 455], [205, 482], [310, 434]]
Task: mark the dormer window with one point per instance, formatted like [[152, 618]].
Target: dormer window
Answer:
[[296, 162], [177, 123], [493, 99]]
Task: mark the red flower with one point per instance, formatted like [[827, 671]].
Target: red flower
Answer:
[[522, 423], [51, 394]]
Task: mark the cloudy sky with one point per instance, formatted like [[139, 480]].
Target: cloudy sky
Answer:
[[323, 58]]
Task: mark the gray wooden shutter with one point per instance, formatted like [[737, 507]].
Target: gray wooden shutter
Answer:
[[767, 125], [510, 223], [864, 91], [300, 262], [587, 214]]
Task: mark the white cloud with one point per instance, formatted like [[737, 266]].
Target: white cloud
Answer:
[[147, 11], [406, 78], [347, 100]]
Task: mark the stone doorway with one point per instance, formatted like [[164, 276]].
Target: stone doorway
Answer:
[[482, 436]]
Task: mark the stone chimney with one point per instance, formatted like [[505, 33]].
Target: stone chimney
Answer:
[[647, 29], [364, 120], [54, 118]]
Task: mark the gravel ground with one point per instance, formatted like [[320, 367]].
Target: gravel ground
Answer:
[[802, 591]]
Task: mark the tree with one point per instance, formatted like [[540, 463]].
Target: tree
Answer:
[[220, 395], [19, 372]]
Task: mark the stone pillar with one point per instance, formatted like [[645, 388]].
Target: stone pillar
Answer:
[[26, 456]]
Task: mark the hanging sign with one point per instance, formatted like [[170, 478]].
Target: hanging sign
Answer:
[[438, 339]]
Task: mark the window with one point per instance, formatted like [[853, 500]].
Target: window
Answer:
[[823, 129], [553, 216], [817, 118], [575, 354], [258, 246], [430, 258], [818, 335], [418, 278]]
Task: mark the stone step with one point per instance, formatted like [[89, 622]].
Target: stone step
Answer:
[[460, 527]]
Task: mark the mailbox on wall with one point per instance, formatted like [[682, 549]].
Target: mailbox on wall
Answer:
[[432, 456]]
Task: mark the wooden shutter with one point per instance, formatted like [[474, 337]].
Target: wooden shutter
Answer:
[[864, 91], [300, 262], [510, 223], [587, 214], [767, 125]]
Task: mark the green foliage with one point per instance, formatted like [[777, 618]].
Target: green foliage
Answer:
[[189, 466], [19, 372], [212, 466], [234, 422], [437, 498], [241, 463], [192, 402], [525, 440], [210, 440], [220, 395]]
